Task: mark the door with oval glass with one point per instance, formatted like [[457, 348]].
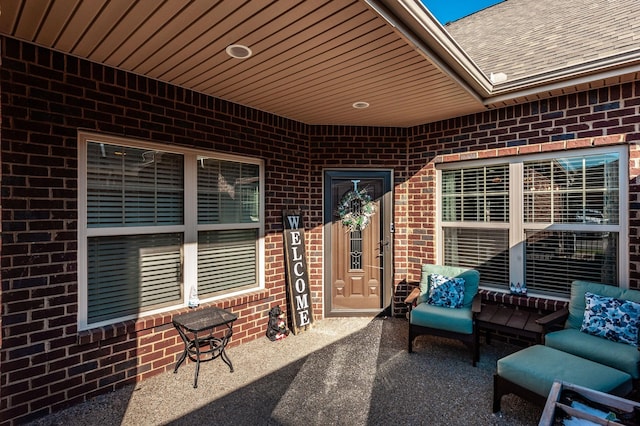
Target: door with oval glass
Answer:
[[358, 249]]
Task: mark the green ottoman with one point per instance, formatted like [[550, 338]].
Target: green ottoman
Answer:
[[529, 373]]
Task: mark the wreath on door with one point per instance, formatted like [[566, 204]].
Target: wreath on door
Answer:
[[355, 209]]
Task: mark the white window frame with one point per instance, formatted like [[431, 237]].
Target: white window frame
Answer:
[[516, 223], [189, 228]]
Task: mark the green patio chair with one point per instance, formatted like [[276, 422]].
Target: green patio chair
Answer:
[[441, 313]]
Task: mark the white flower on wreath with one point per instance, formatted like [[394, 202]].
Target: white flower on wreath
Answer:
[[356, 219]]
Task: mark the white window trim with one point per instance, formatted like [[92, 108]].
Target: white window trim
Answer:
[[517, 227], [189, 229]]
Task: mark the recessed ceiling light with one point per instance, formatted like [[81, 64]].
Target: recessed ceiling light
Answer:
[[361, 105], [238, 51]]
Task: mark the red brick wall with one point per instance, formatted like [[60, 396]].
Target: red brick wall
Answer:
[[46, 97], [606, 116]]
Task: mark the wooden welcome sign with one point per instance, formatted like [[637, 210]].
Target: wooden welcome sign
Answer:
[[298, 294]]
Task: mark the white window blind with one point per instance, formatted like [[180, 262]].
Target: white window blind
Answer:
[[130, 274], [486, 250], [565, 195], [226, 260], [478, 194], [554, 259], [133, 187], [581, 189]]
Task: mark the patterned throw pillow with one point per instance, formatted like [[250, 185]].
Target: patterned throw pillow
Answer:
[[611, 318], [445, 291]]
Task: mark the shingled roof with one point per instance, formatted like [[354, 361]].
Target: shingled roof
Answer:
[[522, 38]]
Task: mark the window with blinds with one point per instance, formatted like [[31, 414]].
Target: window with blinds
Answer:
[[572, 190], [571, 221], [133, 187], [144, 245], [476, 197], [554, 259], [544, 221], [226, 261]]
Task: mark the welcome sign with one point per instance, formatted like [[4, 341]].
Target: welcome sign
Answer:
[[298, 294]]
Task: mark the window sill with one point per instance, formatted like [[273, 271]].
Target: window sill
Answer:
[[532, 302]]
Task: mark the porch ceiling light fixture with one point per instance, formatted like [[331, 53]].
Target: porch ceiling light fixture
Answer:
[[360, 105], [238, 51]]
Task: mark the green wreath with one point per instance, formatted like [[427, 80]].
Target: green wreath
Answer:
[[356, 219]]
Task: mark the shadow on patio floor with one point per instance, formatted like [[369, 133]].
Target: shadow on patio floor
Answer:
[[344, 371]]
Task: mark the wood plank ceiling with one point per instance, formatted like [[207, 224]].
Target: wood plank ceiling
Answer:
[[311, 59]]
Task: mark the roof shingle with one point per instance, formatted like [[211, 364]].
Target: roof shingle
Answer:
[[522, 38]]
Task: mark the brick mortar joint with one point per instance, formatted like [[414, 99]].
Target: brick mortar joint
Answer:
[[528, 149], [159, 321]]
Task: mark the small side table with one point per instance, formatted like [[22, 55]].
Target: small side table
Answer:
[[510, 320], [196, 330]]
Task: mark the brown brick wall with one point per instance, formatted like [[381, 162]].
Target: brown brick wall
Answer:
[[46, 97]]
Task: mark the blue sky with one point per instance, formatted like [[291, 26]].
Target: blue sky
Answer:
[[450, 10]]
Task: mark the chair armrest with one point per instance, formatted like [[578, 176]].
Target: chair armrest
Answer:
[[555, 318], [476, 304], [413, 296]]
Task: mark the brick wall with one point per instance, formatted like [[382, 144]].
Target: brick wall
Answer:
[[46, 97], [357, 147], [606, 116]]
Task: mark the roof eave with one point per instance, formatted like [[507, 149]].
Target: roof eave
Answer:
[[413, 21], [420, 28]]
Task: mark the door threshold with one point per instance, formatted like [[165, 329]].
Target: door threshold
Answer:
[[358, 313]]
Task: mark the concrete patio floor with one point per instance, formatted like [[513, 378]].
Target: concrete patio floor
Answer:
[[343, 371]]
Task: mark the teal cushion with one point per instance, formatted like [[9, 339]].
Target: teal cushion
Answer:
[[577, 301], [446, 291], [620, 356], [611, 318], [471, 281], [455, 320], [537, 367]]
